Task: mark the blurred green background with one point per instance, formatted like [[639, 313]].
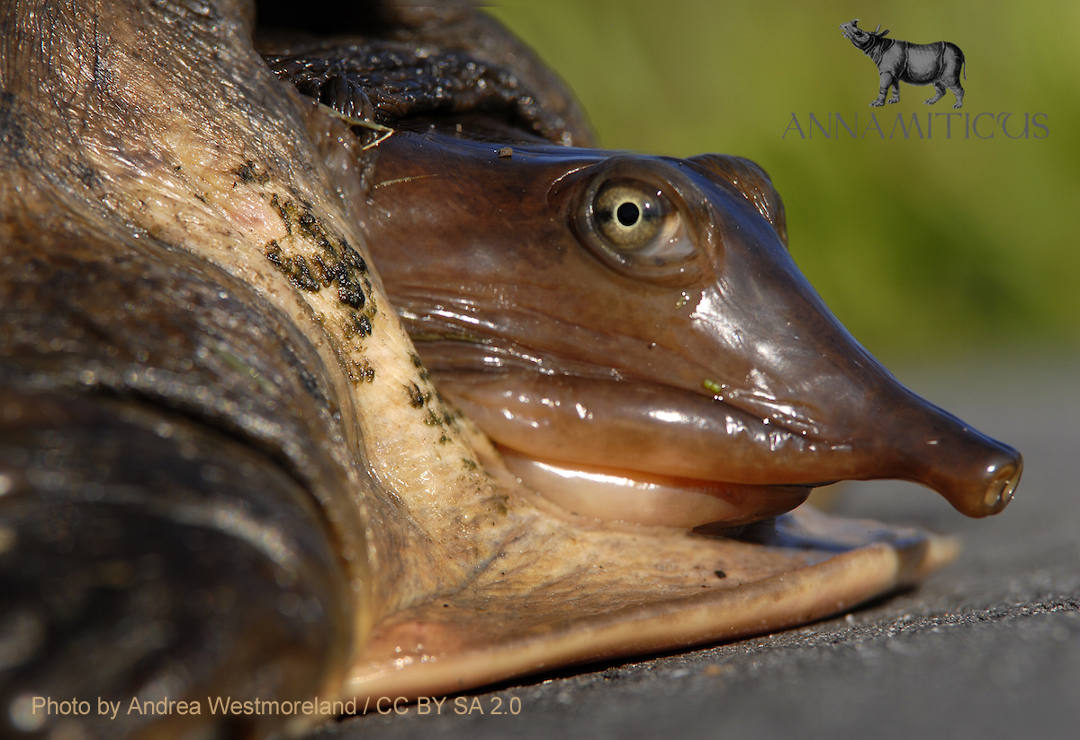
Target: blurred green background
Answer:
[[955, 247]]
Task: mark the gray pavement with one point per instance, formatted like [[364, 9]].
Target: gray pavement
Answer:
[[988, 648]]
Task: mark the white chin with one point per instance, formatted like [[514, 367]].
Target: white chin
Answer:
[[643, 498]]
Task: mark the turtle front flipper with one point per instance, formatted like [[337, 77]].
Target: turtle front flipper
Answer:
[[564, 590]]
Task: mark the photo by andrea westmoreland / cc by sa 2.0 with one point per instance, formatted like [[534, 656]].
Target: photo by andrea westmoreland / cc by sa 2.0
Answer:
[[939, 64]]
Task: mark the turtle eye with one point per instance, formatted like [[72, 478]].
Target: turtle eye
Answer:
[[633, 226], [630, 215]]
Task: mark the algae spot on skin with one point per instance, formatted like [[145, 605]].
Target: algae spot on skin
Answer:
[[357, 324], [294, 267], [302, 275], [275, 203], [249, 172], [717, 389], [424, 374], [417, 397], [334, 260], [360, 371]]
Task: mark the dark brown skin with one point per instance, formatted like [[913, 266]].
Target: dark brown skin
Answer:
[[708, 357]]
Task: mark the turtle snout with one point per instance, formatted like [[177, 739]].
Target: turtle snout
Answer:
[[977, 474]]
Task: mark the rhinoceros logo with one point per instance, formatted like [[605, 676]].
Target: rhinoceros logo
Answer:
[[938, 64]]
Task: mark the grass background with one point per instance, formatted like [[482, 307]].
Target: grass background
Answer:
[[952, 247]]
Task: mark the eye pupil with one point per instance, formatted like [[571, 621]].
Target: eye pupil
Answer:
[[628, 213]]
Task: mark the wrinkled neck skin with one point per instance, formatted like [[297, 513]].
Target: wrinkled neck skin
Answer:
[[695, 379]]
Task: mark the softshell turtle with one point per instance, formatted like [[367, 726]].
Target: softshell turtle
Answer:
[[227, 476]]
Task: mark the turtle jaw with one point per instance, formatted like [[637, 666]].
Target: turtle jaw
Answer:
[[652, 454], [643, 498]]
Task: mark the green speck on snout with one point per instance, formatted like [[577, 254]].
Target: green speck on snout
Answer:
[[717, 389]]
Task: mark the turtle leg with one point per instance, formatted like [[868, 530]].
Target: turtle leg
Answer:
[[147, 557]]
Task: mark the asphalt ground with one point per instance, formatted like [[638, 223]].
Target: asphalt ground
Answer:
[[987, 648]]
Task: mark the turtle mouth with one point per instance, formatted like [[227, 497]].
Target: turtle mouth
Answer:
[[639, 497], [641, 452], [651, 454]]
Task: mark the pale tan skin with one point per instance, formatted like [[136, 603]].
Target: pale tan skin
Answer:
[[426, 524]]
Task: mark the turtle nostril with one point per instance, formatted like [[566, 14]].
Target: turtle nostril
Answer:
[[976, 474], [1001, 488]]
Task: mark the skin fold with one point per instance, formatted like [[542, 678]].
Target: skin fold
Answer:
[[226, 471]]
